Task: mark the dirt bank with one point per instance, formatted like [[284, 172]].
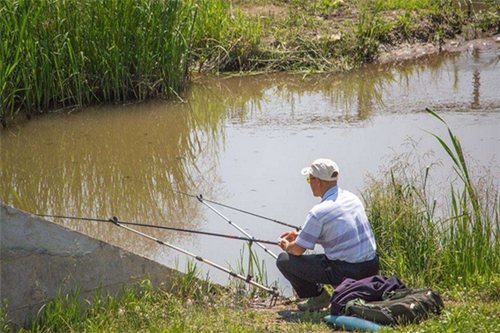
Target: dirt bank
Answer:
[[347, 35]]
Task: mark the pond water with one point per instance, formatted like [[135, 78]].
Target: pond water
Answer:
[[242, 141]]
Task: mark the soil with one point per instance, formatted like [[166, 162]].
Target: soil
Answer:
[[284, 312]]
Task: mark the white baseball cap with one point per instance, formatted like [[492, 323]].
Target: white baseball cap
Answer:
[[323, 169]]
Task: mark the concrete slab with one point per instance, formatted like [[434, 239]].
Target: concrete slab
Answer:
[[39, 259]]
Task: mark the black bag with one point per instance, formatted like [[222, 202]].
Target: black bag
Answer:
[[400, 307]]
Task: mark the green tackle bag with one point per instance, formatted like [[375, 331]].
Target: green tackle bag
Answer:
[[399, 307]]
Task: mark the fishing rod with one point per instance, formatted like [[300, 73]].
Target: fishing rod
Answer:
[[248, 239], [272, 291], [240, 210], [200, 199]]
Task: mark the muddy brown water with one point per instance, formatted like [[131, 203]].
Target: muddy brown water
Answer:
[[242, 141]]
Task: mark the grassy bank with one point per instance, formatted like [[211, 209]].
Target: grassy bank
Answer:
[[338, 35], [148, 310], [65, 54]]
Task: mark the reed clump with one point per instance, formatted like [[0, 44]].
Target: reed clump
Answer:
[[57, 54], [225, 38], [450, 241]]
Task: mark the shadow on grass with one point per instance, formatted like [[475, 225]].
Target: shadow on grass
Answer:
[[295, 316]]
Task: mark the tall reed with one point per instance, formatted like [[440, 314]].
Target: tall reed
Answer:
[[451, 241], [224, 37], [255, 270], [71, 53], [474, 223]]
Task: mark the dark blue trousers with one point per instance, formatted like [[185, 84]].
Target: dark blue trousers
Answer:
[[308, 272]]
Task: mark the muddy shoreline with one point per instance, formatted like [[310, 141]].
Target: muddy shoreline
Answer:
[[408, 51]]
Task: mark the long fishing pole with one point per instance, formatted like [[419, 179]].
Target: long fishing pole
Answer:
[[240, 210], [248, 239], [248, 279], [200, 199]]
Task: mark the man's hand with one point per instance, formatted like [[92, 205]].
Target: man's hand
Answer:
[[287, 243], [283, 243], [289, 235]]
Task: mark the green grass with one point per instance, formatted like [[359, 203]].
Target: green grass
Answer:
[[224, 37], [411, 4], [202, 309], [251, 267]]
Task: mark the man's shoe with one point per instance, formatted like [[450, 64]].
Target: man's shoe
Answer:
[[315, 303]]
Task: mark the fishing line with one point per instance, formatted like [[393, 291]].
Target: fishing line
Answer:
[[200, 199], [273, 291], [248, 239], [239, 210]]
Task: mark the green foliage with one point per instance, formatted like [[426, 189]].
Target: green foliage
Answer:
[[411, 4], [4, 320], [488, 20], [189, 285], [59, 315], [371, 28], [461, 317], [425, 245], [73, 53], [255, 269], [138, 308], [473, 224], [317, 7], [224, 37]]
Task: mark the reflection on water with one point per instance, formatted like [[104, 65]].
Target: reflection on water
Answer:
[[449, 82], [110, 161], [237, 140]]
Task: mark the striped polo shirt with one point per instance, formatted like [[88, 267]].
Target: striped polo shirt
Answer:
[[339, 223]]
